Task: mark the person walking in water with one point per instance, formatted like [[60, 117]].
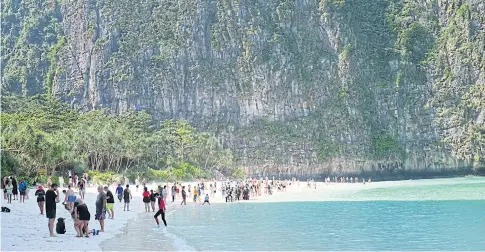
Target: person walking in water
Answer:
[[40, 193], [51, 198], [146, 199], [152, 200], [161, 211], [206, 200], [126, 197]]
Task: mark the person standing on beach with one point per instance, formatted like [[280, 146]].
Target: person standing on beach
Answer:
[[51, 198], [4, 187], [71, 197], [101, 207], [165, 193], [184, 196], [22, 189], [127, 196], [49, 182], [173, 193], [160, 190], [161, 211], [146, 199], [195, 194], [119, 192], [137, 182], [40, 193], [15, 190], [110, 201], [81, 185], [9, 189], [152, 200]]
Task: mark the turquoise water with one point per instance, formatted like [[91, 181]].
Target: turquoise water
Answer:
[[365, 225], [421, 217]]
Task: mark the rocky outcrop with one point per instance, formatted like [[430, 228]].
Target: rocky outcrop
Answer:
[[292, 87]]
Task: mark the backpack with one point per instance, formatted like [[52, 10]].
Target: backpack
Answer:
[[61, 226]]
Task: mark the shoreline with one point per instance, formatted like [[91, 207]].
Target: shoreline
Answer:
[[382, 176], [24, 222]]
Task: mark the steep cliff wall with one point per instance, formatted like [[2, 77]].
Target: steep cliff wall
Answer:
[[291, 86]]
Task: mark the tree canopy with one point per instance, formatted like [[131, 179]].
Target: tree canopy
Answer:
[[41, 135]]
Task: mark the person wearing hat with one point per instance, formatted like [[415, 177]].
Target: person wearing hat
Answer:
[[40, 193]]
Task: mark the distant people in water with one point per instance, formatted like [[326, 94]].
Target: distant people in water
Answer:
[[206, 200], [152, 200], [161, 211], [146, 199]]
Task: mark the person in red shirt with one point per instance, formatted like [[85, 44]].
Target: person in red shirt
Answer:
[[146, 199], [161, 211]]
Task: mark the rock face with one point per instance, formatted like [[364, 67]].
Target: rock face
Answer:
[[292, 87]]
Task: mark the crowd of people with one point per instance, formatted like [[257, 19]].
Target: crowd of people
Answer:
[[154, 200]]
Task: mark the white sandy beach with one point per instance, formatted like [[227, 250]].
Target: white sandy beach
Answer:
[[24, 229]]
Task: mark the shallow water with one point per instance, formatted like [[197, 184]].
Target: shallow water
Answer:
[[368, 221]]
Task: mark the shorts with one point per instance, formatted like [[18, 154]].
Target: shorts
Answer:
[[206, 201], [71, 199], [81, 190], [146, 199], [50, 214], [127, 200], [100, 215], [22, 193], [110, 206]]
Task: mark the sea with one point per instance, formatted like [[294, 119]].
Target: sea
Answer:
[[424, 215]]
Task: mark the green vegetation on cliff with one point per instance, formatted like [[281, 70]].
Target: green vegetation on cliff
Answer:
[[289, 86], [40, 134]]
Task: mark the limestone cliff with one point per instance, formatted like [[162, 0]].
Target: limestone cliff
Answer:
[[292, 86]]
